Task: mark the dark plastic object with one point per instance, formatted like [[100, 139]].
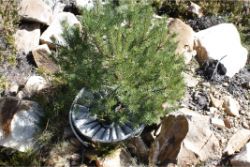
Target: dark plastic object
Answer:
[[84, 124]]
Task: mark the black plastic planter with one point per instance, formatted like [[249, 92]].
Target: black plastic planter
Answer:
[[86, 125]]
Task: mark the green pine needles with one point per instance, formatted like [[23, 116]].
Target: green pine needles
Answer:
[[127, 55]]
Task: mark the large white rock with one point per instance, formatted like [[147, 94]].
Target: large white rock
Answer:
[[243, 158], [56, 6], [19, 123], [88, 4], [53, 34], [184, 37], [27, 38], [35, 10], [219, 41]]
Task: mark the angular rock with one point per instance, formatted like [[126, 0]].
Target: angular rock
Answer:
[[185, 139], [222, 43], [184, 37], [215, 102], [32, 86], [237, 141], [43, 61], [119, 158], [27, 38], [218, 122], [231, 106], [53, 35], [243, 158], [19, 123], [37, 11]]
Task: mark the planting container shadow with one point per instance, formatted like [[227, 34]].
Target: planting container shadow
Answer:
[[84, 124]]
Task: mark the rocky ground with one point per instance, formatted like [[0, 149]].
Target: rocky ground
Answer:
[[211, 128]]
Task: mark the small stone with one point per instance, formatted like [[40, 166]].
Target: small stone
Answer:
[[225, 84], [14, 88], [242, 112], [215, 102], [213, 110], [206, 84], [231, 106], [237, 141], [218, 122], [34, 85], [190, 80], [227, 123]]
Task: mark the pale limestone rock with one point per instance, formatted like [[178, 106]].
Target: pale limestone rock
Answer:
[[56, 6], [53, 34], [184, 37], [37, 11], [216, 102], [88, 4], [190, 80], [27, 38], [19, 126], [32, 86], [237, 141], [221, 42], [185, 139], [231, 106], [243, 158], [43, 61]]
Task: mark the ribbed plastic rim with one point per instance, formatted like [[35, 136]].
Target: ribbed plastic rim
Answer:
[[78, 133]]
